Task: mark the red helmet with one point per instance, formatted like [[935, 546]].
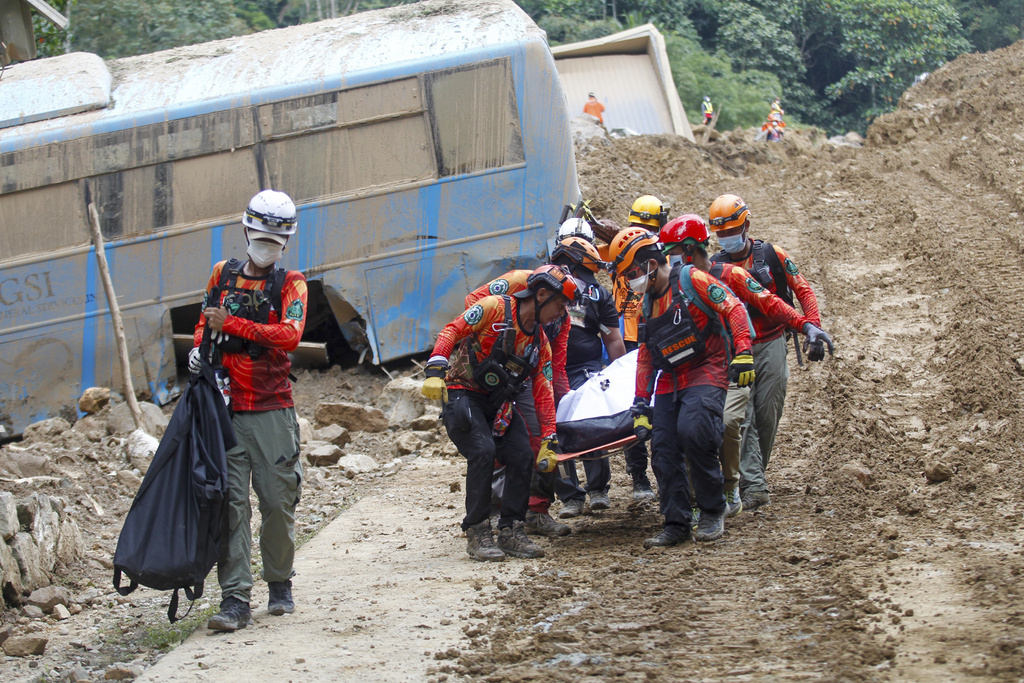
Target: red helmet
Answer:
[[555, 278], [687, 229]]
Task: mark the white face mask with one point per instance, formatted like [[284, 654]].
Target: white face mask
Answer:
[[640, 284], [264, 254]]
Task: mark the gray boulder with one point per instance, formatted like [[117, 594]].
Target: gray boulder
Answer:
[[352, 416]]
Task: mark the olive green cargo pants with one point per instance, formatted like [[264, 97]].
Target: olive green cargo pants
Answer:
[[267, 454]]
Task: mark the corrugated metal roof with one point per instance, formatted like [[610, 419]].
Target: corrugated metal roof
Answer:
[[629, 72]]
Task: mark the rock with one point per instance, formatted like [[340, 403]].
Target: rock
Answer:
[[94, 427], [139, 450], [425, 422], [32, 612], [10, 572], [46, 430], [426, 437], [22, 463], [333, 433], [129, 480], [41, 517], [72, 440], [88, 595], [26, 554], [119, 421], [6, 632], [324, 456], [402, 401], [24, 646], [352, 416], [69, 540], [305, 430], [854, 138], [61, 612], [314, 478], [858, 472], [357, 463], [93, 400], [49, 597], [407, 443], [9, 524], [118, 673], [936, 471]]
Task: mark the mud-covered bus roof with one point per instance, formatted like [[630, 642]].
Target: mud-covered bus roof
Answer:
[[248, 69]]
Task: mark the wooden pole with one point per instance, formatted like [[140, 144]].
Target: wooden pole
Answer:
[[115, 317]]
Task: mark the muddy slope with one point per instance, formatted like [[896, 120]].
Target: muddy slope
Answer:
[[860, 570]]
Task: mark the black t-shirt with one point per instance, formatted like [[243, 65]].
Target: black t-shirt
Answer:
[[597, 309]]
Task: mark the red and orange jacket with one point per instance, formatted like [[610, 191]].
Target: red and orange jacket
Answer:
[[709, 367], [769, 314], [475, 332], [799, 286], [515, 281], [261, 383]]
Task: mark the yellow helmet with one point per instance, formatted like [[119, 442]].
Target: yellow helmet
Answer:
[[728, 211], [647, 210]]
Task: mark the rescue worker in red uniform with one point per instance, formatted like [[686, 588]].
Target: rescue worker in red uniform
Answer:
[[688, 237], [646, 213], [258, 318], [494, 346], [693, 325], [542, 484], [774, 270]]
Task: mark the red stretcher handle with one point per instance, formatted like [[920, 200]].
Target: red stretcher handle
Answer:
[[608, 446]]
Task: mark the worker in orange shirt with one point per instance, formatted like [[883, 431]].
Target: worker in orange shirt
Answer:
[[594, 107]]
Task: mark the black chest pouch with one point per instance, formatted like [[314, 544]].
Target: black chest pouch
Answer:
[[673, 338], [502, 374], [249, 304]]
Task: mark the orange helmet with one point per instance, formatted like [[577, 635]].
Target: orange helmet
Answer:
[[728, 211], [624, 246], [647, 210], [579, 251], [555, 278]]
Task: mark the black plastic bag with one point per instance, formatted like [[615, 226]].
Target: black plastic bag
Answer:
[[594, 432], [171, 536]]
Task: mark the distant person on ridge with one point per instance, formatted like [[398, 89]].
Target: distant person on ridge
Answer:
[[708, 110], [594, 107]]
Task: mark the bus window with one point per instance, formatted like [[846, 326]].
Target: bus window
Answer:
[[475, 118]]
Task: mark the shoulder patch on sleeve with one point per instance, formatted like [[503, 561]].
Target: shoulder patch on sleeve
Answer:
[[548, 371], [716, 293], [754, 286], [791, 267], [499, 286], [295, 310], [473, 314]]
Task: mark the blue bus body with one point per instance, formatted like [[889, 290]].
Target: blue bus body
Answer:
[[417, 176]]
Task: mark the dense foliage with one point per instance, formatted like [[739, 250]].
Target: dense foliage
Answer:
[[834, 63]]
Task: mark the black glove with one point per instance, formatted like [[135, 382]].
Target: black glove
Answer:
[[816, 341], [642, 414]]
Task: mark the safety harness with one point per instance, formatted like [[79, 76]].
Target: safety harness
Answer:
[[766, 269], [250, 304], [502, 373]]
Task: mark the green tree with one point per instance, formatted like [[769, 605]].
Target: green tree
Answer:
[[50, 40], [119, 28], [890, 42], [991, 24]]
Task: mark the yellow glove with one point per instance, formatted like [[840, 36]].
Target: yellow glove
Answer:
[[547, 456], [741, 370], [434, 388]]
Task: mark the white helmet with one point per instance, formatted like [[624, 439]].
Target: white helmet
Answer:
[[271, 212], [576, 227]]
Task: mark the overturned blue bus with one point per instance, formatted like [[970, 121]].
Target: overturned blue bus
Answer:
[[427, 147]]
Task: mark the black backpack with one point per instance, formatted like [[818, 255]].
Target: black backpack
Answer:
[[171, 536]]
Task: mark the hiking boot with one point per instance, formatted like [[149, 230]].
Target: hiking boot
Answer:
[[642, 489], [599, 501], [571, 508], [480, 543], [754, 499], [514, 541], [280, 598], [733, 503], [544, 524], [668, 536], [234, 614], [711, 527]]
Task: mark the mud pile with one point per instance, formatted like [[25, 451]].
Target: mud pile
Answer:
[[892, 548]]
